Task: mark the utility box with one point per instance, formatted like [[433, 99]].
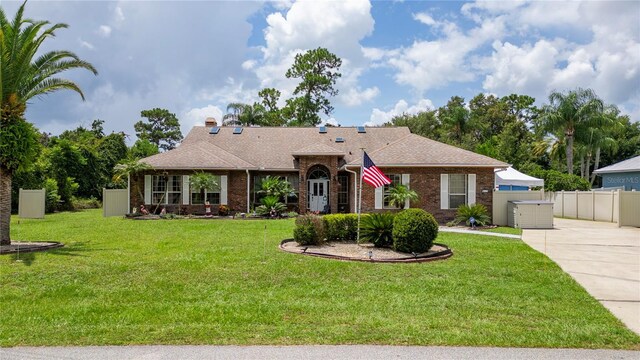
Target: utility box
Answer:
[[530, 214]]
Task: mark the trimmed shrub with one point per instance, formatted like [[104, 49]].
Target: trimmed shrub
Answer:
[[341, 227], [414, 231], [377, 229], [82, 204], [477, 211], [309, 230]]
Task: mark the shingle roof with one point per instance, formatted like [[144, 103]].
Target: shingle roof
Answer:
[[628, 165], [318, 149], [197, 155], [415, 150], [273, 148]]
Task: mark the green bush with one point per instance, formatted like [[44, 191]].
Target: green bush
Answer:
[[51, 198], [341, 227], [478, 211], [271, 203], [309, 230], [377, 229], [83, 204], [558, 181], [414, 231]]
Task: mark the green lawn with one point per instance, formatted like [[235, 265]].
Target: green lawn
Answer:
[[208, 282]]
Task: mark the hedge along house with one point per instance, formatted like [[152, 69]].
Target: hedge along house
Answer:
[[322, 164]]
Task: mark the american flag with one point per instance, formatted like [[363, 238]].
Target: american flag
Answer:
[[372, 175]]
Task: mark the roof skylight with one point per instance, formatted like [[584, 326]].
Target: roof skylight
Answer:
[[214, 130], [237, 130]]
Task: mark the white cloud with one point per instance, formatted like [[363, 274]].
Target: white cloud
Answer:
[[118, 15], [424, 18], [249, 64], [196, 116], [380, 117], [355, 97], [329, 121], [337, 26], [525, 70], [86, 44], [104, 30]]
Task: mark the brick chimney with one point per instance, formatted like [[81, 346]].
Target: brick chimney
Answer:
[[210, 122]]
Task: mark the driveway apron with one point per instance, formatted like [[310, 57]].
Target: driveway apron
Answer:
[[602, 257]]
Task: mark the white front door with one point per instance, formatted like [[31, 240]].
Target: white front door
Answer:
[[318, 194]]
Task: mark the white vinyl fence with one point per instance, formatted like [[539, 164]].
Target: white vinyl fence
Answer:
[[31, 204], [501, 198], [115, 202], [622, 207]]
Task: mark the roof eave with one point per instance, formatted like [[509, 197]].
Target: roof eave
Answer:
[[433, 165]]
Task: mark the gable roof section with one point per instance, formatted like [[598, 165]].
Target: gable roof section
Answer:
[[628, 165], [197, 155], [272, 148], [276, 149], [415, 150]]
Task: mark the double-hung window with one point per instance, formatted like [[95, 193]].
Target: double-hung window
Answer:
[[198, 197], [396, 179], [456, 190], [166, 189]]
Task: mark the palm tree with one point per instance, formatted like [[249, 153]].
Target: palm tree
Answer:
[[572, 113], [127, 169], [24, 76], [234, 112], [399, 194]]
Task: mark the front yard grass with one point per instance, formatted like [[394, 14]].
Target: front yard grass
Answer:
[[123, 281]]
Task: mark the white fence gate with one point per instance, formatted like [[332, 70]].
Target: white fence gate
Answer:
[[115, 202], [31, 204], [501, 198], [622, 207]]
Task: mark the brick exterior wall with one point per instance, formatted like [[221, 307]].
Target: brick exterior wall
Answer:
[[236, 193], [331, 164], [426, 182]]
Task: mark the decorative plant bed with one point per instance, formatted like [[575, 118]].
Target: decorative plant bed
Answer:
[[365, 252]]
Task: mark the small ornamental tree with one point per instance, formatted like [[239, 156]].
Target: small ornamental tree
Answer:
[[202, 181], [399, 194]]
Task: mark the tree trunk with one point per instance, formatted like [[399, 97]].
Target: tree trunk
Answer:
[[570, 154], [595, 166], [582, 166], [5, 206]]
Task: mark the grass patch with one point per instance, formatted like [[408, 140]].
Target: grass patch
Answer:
[[208, 282], [505, 230]]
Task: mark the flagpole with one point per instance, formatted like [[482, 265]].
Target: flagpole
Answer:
[[360, 196]]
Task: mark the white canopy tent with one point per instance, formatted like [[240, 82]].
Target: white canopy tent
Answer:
[[514, 178]]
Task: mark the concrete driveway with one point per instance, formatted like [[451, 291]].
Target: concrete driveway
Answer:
[[601, 257]]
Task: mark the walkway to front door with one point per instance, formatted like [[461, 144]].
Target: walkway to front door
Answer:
[[318, 194]]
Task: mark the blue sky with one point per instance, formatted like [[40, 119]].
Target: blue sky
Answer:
[[193, 58]]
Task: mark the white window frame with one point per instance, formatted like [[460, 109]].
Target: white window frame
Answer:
[[218, 191], [396, 179], [164, 195], [445, 190], [458, 194]]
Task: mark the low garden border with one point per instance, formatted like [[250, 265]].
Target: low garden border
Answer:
[[440, 255]]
